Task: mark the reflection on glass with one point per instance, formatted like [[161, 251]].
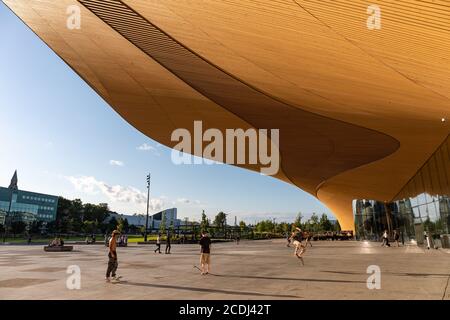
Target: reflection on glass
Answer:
[[423, 204]]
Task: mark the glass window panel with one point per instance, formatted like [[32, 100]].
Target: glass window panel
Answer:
[[419, 188], [433, 213], [426, 176], [416, 212]]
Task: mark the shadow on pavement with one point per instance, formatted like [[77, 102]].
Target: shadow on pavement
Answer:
[[207, 290]]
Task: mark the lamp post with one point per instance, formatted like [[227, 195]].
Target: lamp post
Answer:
[[148, 204]]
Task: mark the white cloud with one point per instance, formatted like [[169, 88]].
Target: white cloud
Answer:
[[116, 193], [147, 147], [116, 163], [183, 200]]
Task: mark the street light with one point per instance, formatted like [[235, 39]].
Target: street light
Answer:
[[148, 204]]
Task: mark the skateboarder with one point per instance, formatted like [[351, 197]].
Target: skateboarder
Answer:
[[112, 258], [205, 259]]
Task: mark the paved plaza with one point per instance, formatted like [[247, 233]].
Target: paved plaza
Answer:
[[251, 270]]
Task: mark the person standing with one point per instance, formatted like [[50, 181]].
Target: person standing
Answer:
[[427, 239], [385, 239], [396, 237], [168, 246], [112, 258], [158, 243], [205, 253], [308, 239]]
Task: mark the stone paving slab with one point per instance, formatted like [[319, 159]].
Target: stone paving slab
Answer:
[[250, 270]]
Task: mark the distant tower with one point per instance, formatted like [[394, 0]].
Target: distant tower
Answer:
[[235, 221], [13, 184]]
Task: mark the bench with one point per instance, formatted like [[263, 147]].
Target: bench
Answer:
[[58, 249]]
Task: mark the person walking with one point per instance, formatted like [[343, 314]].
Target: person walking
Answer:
[[158, 243], [168, 246], [427, 239], [396, 237], [205, 253], [308, 239], [112, 258]]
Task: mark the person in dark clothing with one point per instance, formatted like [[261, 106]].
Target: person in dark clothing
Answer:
[[385, 239], [205, 253], [168, 246], [396, 237]]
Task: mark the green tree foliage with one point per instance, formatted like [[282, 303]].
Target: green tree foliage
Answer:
[[325, 223], [298, 220], [88, 226], [204, 224], [112, 224], [35, 227], [242, 226], [265, 226], [122, 225], [18, 227], [314, 222], [220, 220], [72, 214]]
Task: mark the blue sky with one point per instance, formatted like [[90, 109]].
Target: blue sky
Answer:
[[65, 140]]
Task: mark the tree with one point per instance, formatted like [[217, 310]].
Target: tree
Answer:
[[112, 224], [18, 227], [88, 226], [265, 226], [314, 221], [325, 223], [122, 225], [298, 220], [126, 225], [242, 226], [337, 227], [220, 220], [35, 227], [204, 224]]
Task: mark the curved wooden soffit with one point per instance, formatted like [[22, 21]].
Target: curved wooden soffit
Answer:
[[313, 148]]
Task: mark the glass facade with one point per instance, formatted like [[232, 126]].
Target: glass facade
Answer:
[[423, 205], [18, 205]]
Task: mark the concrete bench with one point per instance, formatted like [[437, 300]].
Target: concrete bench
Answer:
[[58, 249]]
